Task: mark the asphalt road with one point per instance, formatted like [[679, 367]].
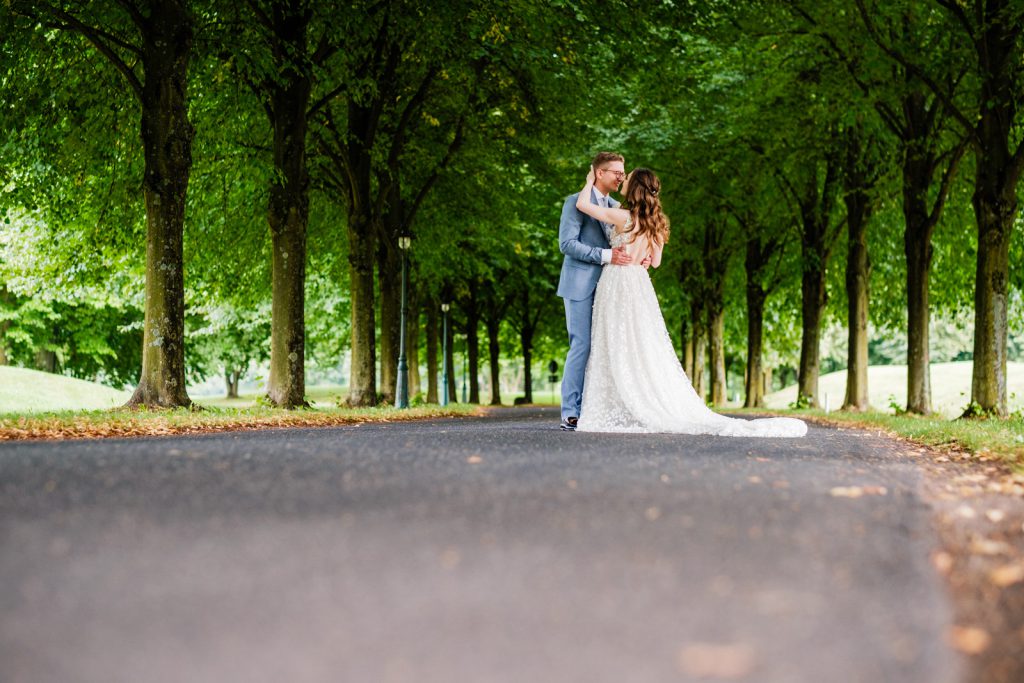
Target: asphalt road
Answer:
[[496, 549]]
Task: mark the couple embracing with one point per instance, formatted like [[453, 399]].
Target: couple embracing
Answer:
[[622, 373]]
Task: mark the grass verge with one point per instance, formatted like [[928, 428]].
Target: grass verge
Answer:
[[997, 440], [122, 423]]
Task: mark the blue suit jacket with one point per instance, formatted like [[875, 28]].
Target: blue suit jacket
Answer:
[[581, 238]]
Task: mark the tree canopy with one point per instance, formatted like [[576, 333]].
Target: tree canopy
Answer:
[[190, 189]]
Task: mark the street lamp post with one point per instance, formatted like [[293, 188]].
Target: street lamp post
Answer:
[[402, 390], [444, 353]]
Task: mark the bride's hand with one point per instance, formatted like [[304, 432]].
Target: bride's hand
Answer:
[[591, 176]]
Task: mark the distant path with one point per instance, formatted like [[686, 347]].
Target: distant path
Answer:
[[496, 549]]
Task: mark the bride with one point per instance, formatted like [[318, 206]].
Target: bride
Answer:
[[634, 382]]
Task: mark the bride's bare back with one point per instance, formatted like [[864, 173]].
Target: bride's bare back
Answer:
[[638, 246]]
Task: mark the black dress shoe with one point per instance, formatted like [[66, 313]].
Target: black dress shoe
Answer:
[[569, 424]]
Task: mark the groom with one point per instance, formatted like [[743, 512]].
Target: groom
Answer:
[[585, 243]]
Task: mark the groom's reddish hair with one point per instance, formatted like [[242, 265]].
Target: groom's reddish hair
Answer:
[[603, 158]]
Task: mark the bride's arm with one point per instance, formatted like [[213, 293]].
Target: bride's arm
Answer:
[[656, 250], [585, 203]]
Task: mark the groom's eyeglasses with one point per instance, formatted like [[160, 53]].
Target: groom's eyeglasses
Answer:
[[618, 174]]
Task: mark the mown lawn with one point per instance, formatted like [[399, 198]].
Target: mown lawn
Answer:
[[31, 391], [951, 388], [997, 439]]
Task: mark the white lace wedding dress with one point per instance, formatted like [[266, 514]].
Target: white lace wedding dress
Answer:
[[634, 381]]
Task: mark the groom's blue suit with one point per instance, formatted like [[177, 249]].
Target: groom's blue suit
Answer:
[[582, 239]]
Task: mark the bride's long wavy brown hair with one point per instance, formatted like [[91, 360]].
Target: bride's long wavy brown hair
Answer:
[[643, 199]]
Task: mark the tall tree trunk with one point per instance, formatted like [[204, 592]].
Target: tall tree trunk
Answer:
[[472, 308], [288, 210], [716, 264], [231, 378], [761, 246], [716, 326], [363, 380], [700, 352], [816, 211], [857, 278], [412, 342], [754, 382], [995, 211], [699, 348], [473, 341], [917, 247], [432, 341], [494, 348], [5, 301], [46, 360], [687, 341], [526, 341], [997, 174], [167, 143], [812, 305], [389, 276], [919, 165]]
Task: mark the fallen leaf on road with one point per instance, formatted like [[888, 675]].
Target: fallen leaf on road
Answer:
[[474, 460], [1007, 575], [652, 513], [858, 491], [754, 480], [995, 516], [986, 546], [966, 511], [450, 558], [711, 660], [968, 639], [942, 561]]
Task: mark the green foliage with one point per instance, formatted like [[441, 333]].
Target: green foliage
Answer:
[[800, 403], [224, 339], [488, 117]]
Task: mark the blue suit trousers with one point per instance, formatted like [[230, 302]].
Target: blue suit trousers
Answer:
[[578, 315]]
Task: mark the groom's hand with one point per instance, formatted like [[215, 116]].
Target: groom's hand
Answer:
[[620, 257], [646, 263]]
